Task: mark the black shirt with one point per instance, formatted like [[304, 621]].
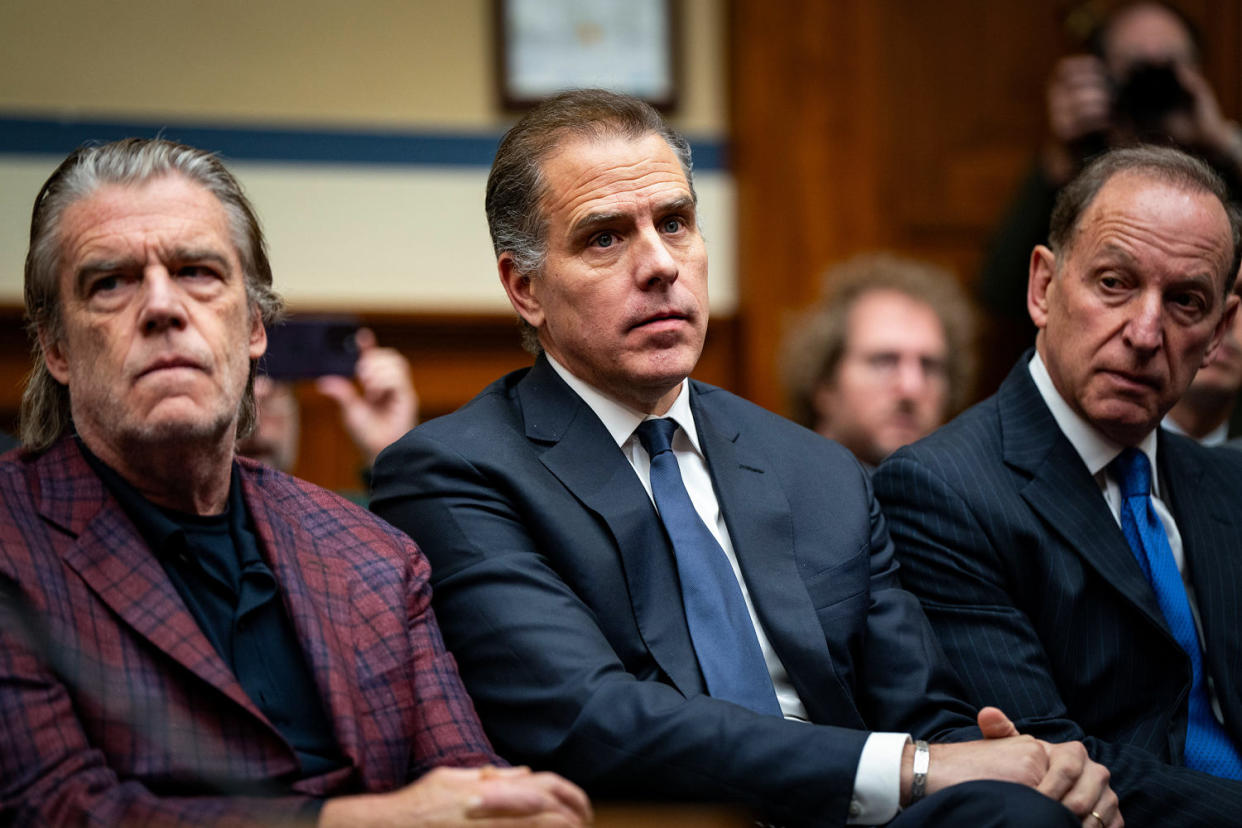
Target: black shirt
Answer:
[[215, 565]]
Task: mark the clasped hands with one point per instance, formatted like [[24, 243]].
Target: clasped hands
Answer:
[[484, 796], [1060, 771]]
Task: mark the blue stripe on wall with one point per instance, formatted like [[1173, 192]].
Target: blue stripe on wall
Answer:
[[333, 146]]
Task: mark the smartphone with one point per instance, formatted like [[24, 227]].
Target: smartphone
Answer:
[[309, 347]]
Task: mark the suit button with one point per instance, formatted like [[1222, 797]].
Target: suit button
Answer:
[[855, 810]]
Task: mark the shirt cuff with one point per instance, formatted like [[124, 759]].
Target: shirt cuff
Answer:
[[877, 782]]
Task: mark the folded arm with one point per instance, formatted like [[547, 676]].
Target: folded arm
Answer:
[[950, 558]]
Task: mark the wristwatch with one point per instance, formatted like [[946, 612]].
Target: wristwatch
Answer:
[[922, 761]]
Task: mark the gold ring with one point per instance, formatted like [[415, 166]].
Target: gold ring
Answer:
[[1099, 818]]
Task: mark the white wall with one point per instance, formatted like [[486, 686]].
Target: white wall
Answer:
[[357, 236]]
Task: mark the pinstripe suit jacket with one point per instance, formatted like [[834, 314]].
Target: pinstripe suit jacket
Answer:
[[1037, 598], [113, 703]]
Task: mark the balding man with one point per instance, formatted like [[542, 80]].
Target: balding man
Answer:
[[1079, 562]]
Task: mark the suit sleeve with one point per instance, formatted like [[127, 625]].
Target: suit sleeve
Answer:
[[50, 774], [448, 732], [550, 688], [908, 684], [950, 561]]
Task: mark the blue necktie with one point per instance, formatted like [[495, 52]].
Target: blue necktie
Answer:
[[1208, 746], [720, 627]]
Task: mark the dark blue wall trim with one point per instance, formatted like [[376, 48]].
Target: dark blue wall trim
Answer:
[[332, 146]]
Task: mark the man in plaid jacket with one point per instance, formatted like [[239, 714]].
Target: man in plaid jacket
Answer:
[[187, 637]]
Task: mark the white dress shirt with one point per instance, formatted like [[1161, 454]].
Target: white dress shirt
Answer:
[[1215, 437], [877, 782], [1097, 451]]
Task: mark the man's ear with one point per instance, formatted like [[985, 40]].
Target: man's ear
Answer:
[[54, 357], [521, 290], [1223, 326], [1039, 281], [258, 333]]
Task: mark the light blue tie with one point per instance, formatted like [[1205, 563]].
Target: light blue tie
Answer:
[[1208, 746], [720, 627]]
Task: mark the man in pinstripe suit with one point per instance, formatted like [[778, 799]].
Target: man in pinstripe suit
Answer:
[[1009, 520]]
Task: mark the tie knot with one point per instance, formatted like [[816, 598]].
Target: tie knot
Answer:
[[1133, 472], [657, 435]]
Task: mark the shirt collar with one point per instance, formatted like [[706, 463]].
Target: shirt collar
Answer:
[[158, 527], [1096, 450], [1215, 437], [620, 419]]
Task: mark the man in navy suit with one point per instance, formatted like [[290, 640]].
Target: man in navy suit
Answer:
[[1067, 582], [682, 653]]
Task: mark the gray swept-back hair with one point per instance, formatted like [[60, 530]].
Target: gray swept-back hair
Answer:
[[515, 186], [45, 412]]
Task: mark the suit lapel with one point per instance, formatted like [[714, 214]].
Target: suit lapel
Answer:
[[1064, 494], [582, 455], [1206, 512], [321, 612], [118, 566], [756, 513]]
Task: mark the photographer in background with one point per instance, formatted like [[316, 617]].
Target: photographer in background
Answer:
[[1141, 81]]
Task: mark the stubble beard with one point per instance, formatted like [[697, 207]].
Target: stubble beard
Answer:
[[170, 452]]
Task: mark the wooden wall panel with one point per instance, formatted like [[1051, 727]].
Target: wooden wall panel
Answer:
[[805, 129], [14, 365], [892, 123]]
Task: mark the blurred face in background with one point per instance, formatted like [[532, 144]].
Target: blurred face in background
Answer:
[[274, 440], [1146, 33], [1222, 376], [891, 387]]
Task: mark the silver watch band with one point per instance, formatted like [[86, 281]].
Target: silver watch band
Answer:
[[922, 761]]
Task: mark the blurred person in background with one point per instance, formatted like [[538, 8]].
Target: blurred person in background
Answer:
[[1140, 80], [377, 401], [1205, 410], [884, 358]]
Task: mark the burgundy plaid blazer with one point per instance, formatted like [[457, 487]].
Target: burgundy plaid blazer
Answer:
[[115, 707]]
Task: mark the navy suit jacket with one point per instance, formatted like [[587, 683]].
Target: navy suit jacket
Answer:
[[115, 706], [556, 588], [1042, 607]]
